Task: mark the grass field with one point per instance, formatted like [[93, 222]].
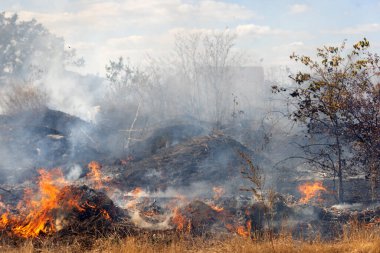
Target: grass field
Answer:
[[359, 240]]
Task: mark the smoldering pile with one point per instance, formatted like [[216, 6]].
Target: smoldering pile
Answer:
[[55, 208], [180, 179]]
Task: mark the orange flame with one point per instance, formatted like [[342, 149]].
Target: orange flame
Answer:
[[136, 193], [4, 220], [216, 208], [95, 175], [310, 190], [40, 211], [180, 221], [244, 231], [37, 208], [105, 214]]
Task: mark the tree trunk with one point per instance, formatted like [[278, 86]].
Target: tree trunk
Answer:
[[373, 181], [340, 185], [340, 171]]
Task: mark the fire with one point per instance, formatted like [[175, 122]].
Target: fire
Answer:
[[216, 208], [42, 211], [218, 193], [242, 231], [245, 231], [180, 221], [4, 220], [95, 175], [136, 193], [37, 209], [310, 190], [105, 214]]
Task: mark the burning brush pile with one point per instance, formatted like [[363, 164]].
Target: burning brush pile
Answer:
[[58, 208], [171, 184]]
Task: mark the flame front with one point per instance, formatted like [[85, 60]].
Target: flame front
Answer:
[[243, 231], [37, 208], [95, 175], [310, 190], [216, 208], [182, 224]]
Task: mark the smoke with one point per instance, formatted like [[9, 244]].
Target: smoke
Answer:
[[98, 118], [74, 172], [140, 222]]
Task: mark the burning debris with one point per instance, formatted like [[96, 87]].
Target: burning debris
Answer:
[[54, 206], [58, 207], [183, 184], [311, 190]]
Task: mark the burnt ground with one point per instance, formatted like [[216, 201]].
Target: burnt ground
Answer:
[[213, 160], [175, 159], [44, 138]]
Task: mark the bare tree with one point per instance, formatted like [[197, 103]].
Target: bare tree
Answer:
[[126, 95], [206, 63]]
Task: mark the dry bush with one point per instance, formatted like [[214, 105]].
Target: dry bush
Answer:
[[22, 97]]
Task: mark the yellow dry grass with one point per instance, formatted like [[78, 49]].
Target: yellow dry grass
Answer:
[[358, 241]]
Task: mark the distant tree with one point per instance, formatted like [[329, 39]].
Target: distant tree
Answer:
[[326, 101], [127, 94], [205, 64], [27, 49]]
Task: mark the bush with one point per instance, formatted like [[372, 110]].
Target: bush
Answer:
[[22, 97]]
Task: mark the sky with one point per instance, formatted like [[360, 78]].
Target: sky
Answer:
[[268, 30]]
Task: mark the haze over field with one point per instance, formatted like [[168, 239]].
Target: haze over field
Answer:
[[174, 125]]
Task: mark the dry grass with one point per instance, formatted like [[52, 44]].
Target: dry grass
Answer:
[[358, 240], [22, 97]]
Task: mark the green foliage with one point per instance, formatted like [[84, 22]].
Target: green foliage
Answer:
[[337, 99]]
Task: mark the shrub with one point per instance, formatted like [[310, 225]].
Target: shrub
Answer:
[[22, 97]]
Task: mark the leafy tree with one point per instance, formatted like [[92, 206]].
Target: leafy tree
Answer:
[[28, 49], [325, 99], [363, 108]]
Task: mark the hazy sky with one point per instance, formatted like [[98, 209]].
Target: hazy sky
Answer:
[[267, 29]]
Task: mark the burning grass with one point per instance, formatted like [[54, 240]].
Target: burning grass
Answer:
[[61, 216], [359, 239]]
